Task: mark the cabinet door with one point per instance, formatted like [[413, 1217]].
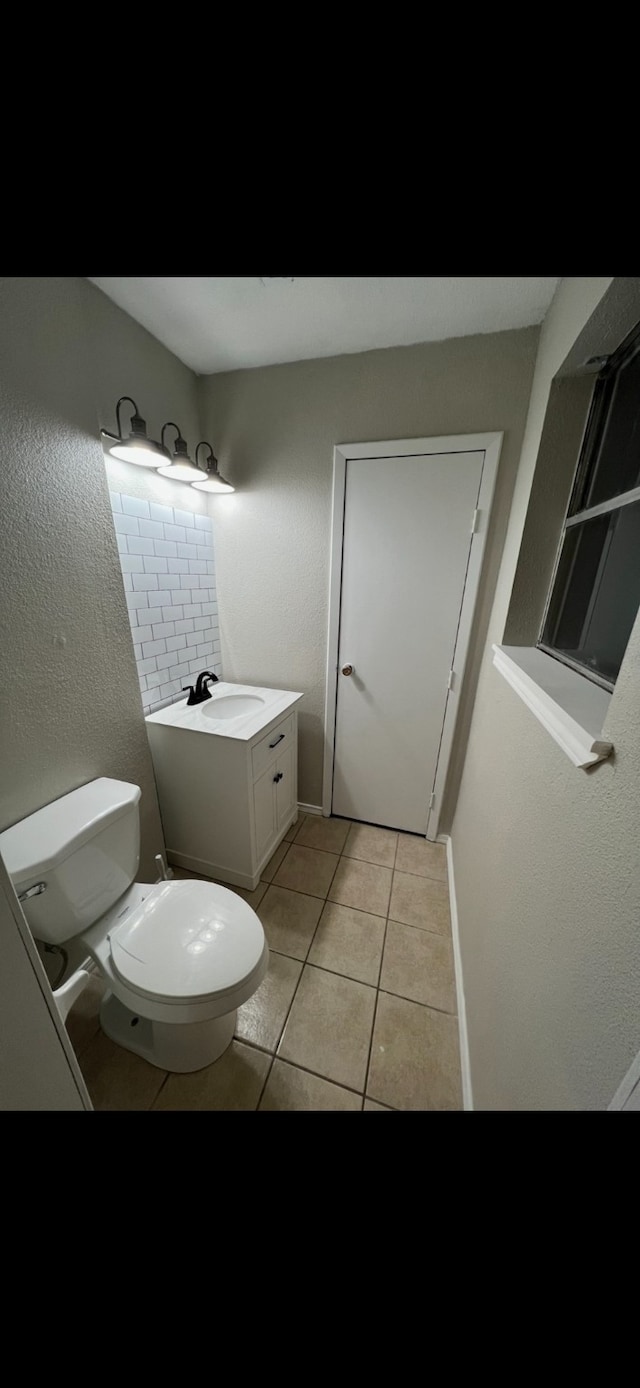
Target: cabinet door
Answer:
[[264, 811], [286, 791]]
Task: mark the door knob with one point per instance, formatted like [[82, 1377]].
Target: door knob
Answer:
[[347, 669]]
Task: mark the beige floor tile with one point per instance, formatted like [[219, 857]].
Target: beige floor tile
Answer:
[[234, 1082], [420, 901], [269, 870], [329, 1027], [370, 1107], [415, 1061], [289, 920], [349, 942], [362, 885], [294, 829], [83, 1021], [261, 1019], [290, 1089], [254, 898], [419, 965], [118, 1079], [371, 844], [307, 870], [417, 855], [327, 834]]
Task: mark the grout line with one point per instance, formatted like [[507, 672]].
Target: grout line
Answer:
[[283, 1028], [384, 942], [430, 1006], [266, 1078], [327, 1078], [336, 973], [373, 1027], [424, 929], [328, 900], [422, 876], [157, 1096]]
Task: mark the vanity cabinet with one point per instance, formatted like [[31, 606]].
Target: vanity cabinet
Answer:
[[226, 800]]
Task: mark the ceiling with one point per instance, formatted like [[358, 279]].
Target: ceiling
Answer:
[[226, 324]]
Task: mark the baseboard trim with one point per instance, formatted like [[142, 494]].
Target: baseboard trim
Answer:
[[467, 1093], [310, 809], [213, 870]]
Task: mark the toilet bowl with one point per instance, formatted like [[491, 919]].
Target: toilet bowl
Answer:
[[178, 958]]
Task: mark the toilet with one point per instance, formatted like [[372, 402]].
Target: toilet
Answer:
[[179, 958]]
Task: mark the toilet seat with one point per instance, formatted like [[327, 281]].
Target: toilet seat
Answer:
[[187, 942]]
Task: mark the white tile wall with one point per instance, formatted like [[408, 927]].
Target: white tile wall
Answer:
[[169, 576]]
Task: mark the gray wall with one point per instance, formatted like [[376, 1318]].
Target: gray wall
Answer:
[[71, 706], [274, 430], [546, 856]]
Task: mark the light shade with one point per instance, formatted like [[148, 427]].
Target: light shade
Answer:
[[180, 468], [137, 448], [213, 481]]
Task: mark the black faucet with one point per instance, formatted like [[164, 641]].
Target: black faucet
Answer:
[[200, 693]]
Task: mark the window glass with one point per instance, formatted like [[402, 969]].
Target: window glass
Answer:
[[617, 468], [596, 594]]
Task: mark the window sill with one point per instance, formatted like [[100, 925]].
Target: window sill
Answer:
[[569, 706]]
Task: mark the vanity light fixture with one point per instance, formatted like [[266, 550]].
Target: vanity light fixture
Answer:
[[214, 481], [137, 448], [180, 467]]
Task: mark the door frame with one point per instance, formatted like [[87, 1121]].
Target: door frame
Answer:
[[490, 445]]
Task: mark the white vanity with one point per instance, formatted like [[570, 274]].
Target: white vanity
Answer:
[[227, 777]]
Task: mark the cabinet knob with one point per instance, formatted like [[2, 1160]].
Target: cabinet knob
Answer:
[[279, 776], [347, 669]]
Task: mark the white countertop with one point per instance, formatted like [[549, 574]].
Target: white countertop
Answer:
[[200, 718]]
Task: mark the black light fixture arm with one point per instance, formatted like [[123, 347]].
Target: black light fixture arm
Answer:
[[171, 425], [212, 456], [136, 420]]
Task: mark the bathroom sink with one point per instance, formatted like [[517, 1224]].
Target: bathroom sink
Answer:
[[232, 705], [235, 712]]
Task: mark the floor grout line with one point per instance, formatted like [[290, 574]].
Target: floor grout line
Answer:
[[384, 942], [284, 1025], [328, 1079], [157, 1096]]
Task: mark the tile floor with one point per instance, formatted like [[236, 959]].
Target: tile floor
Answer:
[[358, 1008]]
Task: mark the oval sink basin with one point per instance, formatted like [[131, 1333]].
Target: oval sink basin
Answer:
[[232, 705]]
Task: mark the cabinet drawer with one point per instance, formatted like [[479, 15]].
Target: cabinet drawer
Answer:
[[273, 745]]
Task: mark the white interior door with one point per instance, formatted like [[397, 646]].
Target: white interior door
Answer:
[[407, 537]]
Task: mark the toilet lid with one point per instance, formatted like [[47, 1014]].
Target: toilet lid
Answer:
[[187, 940]]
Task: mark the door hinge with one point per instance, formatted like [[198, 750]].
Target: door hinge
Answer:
[[475, 522], [432, 800], [450, 680]]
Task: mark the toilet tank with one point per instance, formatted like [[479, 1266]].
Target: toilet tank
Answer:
[[82, 850]]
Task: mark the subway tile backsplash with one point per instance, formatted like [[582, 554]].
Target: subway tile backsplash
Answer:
[[169, 576]]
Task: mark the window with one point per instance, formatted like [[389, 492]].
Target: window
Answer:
[[595, 593]]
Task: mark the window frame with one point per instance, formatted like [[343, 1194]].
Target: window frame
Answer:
[[576, 513]]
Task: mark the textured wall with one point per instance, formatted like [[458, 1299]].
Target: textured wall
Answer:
[[546, 856], [68, 685], [274, 430]]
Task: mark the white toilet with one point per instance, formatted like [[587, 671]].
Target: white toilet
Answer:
[[179, 957]]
